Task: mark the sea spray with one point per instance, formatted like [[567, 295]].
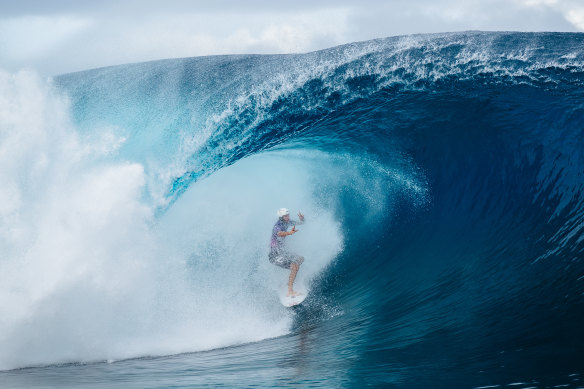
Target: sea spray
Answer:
[[90, 273]]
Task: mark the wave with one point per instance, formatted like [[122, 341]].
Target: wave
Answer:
[[440, 175]]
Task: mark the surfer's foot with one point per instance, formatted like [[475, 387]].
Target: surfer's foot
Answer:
[[292, 293]]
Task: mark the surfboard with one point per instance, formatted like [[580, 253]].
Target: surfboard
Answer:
[[290, 301]]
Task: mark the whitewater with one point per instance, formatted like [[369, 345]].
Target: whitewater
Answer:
[[440, 175]]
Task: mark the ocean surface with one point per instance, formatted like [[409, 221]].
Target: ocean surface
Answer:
[[442, 180]]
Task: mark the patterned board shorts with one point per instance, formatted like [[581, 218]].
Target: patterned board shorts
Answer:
[[284, 259]]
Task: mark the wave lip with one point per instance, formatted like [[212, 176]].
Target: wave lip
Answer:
[[198, 114]]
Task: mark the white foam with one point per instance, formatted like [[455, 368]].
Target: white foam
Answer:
[[225, 226], [87, 273], [74, 234]]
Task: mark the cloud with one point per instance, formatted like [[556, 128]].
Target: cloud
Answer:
[[118, 40], [31, 37], [63, 36], [576, 17], [571, 10], [197, 34], [539, 2]]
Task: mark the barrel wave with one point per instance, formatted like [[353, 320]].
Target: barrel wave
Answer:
[[442, 181]]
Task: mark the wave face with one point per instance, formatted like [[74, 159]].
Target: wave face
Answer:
[[441, 176]]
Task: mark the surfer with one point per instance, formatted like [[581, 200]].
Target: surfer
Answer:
[[279, 256]]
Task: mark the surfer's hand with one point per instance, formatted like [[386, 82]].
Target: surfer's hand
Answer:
[[301, 216], [293, 230]]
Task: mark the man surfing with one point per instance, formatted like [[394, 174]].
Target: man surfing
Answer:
[[279, 256]]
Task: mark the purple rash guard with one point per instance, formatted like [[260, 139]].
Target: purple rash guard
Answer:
[[279, 256], [277, 242]]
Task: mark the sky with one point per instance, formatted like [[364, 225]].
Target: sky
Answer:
[[62, 36]]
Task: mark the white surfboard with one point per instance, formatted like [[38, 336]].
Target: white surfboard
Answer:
[[290, 301]]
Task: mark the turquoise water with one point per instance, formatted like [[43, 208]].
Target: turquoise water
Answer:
[[441, 177]]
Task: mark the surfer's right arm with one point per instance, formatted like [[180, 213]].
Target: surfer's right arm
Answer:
[[286, 233]]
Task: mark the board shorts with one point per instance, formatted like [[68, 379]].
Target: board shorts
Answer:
[[284, 259]]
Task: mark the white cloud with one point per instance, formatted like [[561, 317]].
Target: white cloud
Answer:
[[571, 10], [30, 37], [110, 33], [539, 2], [230, 33], [576, 17], [118, 40]]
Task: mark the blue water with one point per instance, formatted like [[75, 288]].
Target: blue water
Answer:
[[442, 177]]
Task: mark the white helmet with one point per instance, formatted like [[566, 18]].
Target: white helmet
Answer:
[[283, 212]]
